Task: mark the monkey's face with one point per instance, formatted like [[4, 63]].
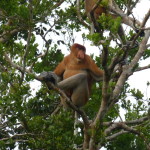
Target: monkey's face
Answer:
[[80, 55], [78, 52]]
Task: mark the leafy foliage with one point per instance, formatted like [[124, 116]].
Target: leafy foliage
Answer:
[[33, 36]]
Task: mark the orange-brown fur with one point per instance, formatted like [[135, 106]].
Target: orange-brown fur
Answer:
[[89, 4], [71, 66]]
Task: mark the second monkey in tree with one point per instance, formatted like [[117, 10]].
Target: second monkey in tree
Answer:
[[78, 72], [102, 9], [89, 4]]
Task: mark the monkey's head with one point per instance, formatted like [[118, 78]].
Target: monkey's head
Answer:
[[78, 51]]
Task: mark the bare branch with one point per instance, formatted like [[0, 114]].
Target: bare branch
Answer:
[[142, 68], [113, 136], [134, 131], [148, 45], [16, 136], [141, 50], [131, 122], [7, 34], [58, 4], [142, 26], [137, 121], [121, 125], [104, 104], [56, 110], [145, 19], [128, 69], [130, 6], [125, 19], [19, 67]]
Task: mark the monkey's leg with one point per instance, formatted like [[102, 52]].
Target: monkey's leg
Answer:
[[72, 82], [80, 94], [78, 83]]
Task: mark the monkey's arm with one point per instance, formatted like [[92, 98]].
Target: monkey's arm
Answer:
[[53, 77], [95, 72], [59, 70]]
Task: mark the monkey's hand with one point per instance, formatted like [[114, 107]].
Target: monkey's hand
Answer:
[[96, 78], [49, 78]]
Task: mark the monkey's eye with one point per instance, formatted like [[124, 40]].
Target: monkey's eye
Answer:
[[81, 49]]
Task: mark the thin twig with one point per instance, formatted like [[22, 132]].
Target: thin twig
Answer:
[[142, 68]]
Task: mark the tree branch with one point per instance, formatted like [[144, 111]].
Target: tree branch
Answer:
[[58, 4], [142, 68], [121, 125], [113, 136], [141, 26], [125, 19], [45, 77], [19, 67], [79, 15], [28, 40], [128, 69], [131, 122], [7, 34], [148, 45], [16, 136]]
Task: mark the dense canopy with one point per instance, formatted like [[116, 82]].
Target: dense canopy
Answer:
[[34, 34]]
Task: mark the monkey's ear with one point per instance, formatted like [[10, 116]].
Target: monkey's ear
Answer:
[[49, 77]]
